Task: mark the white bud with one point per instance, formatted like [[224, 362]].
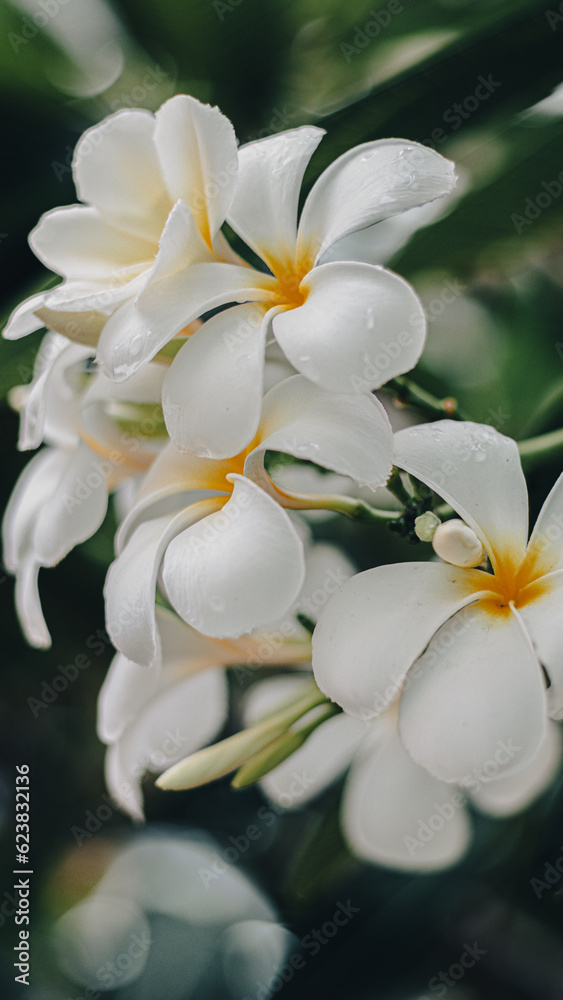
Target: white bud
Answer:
[[425, 525], [456, 543]]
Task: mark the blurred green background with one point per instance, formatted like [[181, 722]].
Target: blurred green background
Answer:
[[498, 347]]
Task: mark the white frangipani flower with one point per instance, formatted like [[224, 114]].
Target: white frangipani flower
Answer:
[[61, 497], [478, 640], [151, 719], [155, 191], [346, 326], [232, 559], [393, 812]]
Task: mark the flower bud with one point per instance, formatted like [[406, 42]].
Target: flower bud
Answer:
[[456, 543], [425, 525]]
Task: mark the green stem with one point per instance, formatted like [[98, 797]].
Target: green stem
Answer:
[[357, 510], [409, 393], [535, 450]]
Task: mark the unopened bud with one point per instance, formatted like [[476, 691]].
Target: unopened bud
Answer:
[[425, 525], [456, 543]]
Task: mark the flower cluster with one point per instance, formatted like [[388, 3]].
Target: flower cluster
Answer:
[[192, 379]]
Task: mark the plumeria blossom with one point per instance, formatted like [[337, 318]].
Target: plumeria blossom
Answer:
[[464, 649], [393, 812], [154, 190], [61, 497], [232, 558], [347, 326], [150, 719]]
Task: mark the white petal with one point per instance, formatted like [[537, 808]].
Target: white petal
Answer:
[[507, 795], [23, 319], [395, 813], [358, 327], [131, 584], [321, 760], [76, 242], [475, 701], [50, 405], [349, 435], [74, 511], [374, 628], [197, 148], [368, 183], [116, 170], [323, 757], [179, 476], [174, 301], [237, 570], [175, 723], [545, 547], [37, 482], [86, 301], [543, 620], [478, 471], [128, 687], [125, 343], [212, 393], [264, 208], [28, 605]]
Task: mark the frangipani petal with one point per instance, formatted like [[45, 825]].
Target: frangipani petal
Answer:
[[322, 759], [475, 699], [128, 687], [74, 510], [478, 471], [324, 756], [177, 722], [117, 171], [347, 434], [131, 583], [388, 800], [264, 208], [543, 620], [77, 242], [368, 183], [197, 149], [38, 480], [174, 474], [28, 604], [23, 319], [545, 548], [51, 362], [237, 570], [378, 623], [359, 326], [212, 393], [513, 792], [171, 303]]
